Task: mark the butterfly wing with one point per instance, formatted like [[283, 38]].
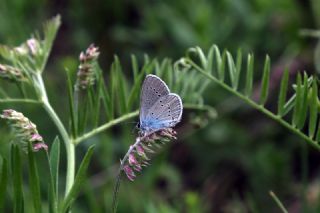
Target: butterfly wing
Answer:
[[166, 112], [153, 88]]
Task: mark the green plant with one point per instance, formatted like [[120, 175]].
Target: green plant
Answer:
[[94, 106], [302, 106]]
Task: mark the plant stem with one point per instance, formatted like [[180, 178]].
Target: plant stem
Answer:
[[122, 163], [259, 107], [70, 147], [132, 115], [106, 126], [17, 100], [278, 202]]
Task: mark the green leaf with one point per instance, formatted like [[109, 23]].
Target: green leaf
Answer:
[[3, 93], [318, 133], [202, 57], [98, 105], [166, 71], [112, 89], [6, 52], [220, 62], [313, 107], [297, 102], [104, 95], [79, 180], [3, 184], [249, 75], [54, 160], [82, 108], [34, 181], [51, 197], [303, 102], [188, 83], [265, 81], [160, 69], [289, 105], [54, 163], [73, 113], [297, 105], [238, 67], [121, 87], [283, 92], [50, 32], [94, 112], [210, 60], [234, 74], [16, 168], [135, 67]]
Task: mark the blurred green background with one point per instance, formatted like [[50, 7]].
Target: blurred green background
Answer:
[[228, 164]]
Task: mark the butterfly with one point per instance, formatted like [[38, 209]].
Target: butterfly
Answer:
[[159, 109]]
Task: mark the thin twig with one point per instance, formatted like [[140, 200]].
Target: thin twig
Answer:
[[122, 164], [17, 100], [257, 106], [278, 202], [115, 192], [106, 126], [132, 115], [118, 180]]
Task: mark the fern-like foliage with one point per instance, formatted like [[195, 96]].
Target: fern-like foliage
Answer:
[[300, 110], [108, 99], [119, 97]]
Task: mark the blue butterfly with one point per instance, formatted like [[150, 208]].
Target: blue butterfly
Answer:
[[159, 109]]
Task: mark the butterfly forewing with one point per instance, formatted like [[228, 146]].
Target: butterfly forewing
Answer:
[[153, 89], [167, 111]]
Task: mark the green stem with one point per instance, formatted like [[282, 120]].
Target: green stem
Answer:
[[132, 115], [70, 147], [118, 180], [259, 107], [278, 202], [122, 164], [53, 191], [17, 100], [106, 126]]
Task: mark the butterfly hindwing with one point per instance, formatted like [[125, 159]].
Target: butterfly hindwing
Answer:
[[166, 112]]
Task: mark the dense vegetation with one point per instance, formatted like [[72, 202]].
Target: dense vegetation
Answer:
[[249, 137]]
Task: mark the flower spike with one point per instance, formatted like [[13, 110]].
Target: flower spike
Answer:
[[86, 75], [136, 157], [24, 130]]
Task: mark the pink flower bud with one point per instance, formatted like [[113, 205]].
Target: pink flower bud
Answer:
[[132, 160], [36, 137], [82, 57], [137, 167], [129, 172], [140, 150], [6, 113], [38, 146], [33, 46]]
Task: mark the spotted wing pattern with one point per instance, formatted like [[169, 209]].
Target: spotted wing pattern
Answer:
[[166, 112], [153, 88]]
